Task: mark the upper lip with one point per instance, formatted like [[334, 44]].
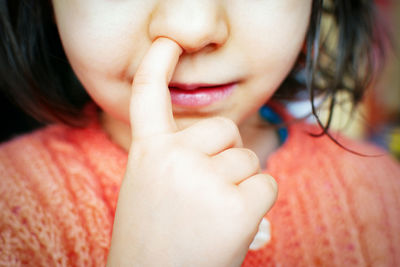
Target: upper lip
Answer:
[[193, 86]]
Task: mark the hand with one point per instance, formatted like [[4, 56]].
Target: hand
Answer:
[[193, 197]]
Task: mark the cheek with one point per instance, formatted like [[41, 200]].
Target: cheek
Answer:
[[272, 38], [101, 65], [100, 42]]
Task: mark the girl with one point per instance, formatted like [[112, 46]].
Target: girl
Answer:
[[171, 170]]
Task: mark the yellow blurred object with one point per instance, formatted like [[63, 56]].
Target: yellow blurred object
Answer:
[[349, 124], [394, 142]]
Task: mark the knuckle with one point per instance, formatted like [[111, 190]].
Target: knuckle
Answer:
[[142, 79], [246, 157], [174, 160], [271, 183], [145, 80], [253, 160], [251, 157], [268, 183], [228, 124]]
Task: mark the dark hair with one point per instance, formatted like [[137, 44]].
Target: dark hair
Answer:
[[343, 57], [37, 76], [35, 72]]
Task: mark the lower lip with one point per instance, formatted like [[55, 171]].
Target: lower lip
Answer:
[[201, 97]]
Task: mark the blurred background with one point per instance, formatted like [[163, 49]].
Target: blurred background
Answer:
[[383, 100], [377, 119]]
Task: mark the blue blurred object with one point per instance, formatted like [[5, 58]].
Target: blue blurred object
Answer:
[[269, 115]]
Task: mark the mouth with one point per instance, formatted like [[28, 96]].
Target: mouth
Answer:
[[199, 95]]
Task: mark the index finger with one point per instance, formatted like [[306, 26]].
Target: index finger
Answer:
[[150, 105]]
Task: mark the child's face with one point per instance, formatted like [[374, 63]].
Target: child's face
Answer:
[[252, 42]]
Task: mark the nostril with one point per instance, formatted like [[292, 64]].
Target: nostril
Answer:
[[201, 49], [202, 31], [211, 47]]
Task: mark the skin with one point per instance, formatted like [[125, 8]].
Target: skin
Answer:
[[253, 42], [184, 199]]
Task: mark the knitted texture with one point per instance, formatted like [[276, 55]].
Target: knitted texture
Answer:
[[59, 188]]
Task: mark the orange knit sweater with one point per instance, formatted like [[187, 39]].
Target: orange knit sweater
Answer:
[[59, 186]]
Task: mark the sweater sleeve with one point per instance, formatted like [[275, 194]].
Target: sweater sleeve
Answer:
[[50, 215]]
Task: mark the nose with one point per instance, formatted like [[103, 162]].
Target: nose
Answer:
[[194, 24]]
